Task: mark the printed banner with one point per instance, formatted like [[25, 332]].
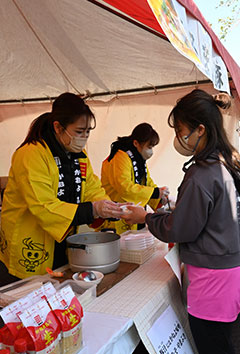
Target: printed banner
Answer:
[[188, 37]]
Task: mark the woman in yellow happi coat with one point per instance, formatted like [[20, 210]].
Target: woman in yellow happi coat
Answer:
[[125, 175], [51, 190]]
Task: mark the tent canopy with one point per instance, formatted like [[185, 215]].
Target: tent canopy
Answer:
[[141, 12], [49, 47]]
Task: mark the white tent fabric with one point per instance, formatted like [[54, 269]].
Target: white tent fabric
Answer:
[[49, 47]]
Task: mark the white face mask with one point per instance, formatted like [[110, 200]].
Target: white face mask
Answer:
[[76, 144], [185, 151], [183, 147], [147, 153]]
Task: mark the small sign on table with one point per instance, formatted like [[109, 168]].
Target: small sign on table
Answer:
[[168, 336]]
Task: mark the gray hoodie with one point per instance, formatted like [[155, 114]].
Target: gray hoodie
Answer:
[[205, 221]]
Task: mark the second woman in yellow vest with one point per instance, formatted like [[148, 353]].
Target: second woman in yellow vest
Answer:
[[125, 175]]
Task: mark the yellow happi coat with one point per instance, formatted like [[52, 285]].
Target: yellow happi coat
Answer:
[[118, 180], [32, 215]]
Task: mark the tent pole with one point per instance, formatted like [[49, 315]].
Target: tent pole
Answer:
[[150, 88], [110, 93]]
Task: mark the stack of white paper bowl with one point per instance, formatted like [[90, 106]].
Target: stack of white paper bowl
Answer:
[[149, 239], [138, 242]]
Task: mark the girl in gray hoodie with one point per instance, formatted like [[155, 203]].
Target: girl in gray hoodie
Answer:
[[205, 222]]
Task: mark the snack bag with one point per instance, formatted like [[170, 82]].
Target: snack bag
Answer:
[[13, 327], [69, 313], [43, 327], [45, 291], [10, 315]]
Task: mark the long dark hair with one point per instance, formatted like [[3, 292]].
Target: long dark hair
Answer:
[[66, 109], [143, 133], [199, 107]]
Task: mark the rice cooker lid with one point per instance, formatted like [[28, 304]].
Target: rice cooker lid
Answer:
[[86, 238]]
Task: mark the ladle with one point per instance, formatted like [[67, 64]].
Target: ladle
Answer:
[[87, 275]]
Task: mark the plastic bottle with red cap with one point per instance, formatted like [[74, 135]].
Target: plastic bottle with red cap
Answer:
[[20, 346]]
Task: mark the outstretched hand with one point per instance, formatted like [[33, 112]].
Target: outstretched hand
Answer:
[[134, 215], [163, 194], [106, 209]]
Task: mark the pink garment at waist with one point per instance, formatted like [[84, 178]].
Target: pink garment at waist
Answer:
[[214, 294]]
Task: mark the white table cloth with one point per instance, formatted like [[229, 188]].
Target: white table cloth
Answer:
[[107, 334], [143, 295]]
